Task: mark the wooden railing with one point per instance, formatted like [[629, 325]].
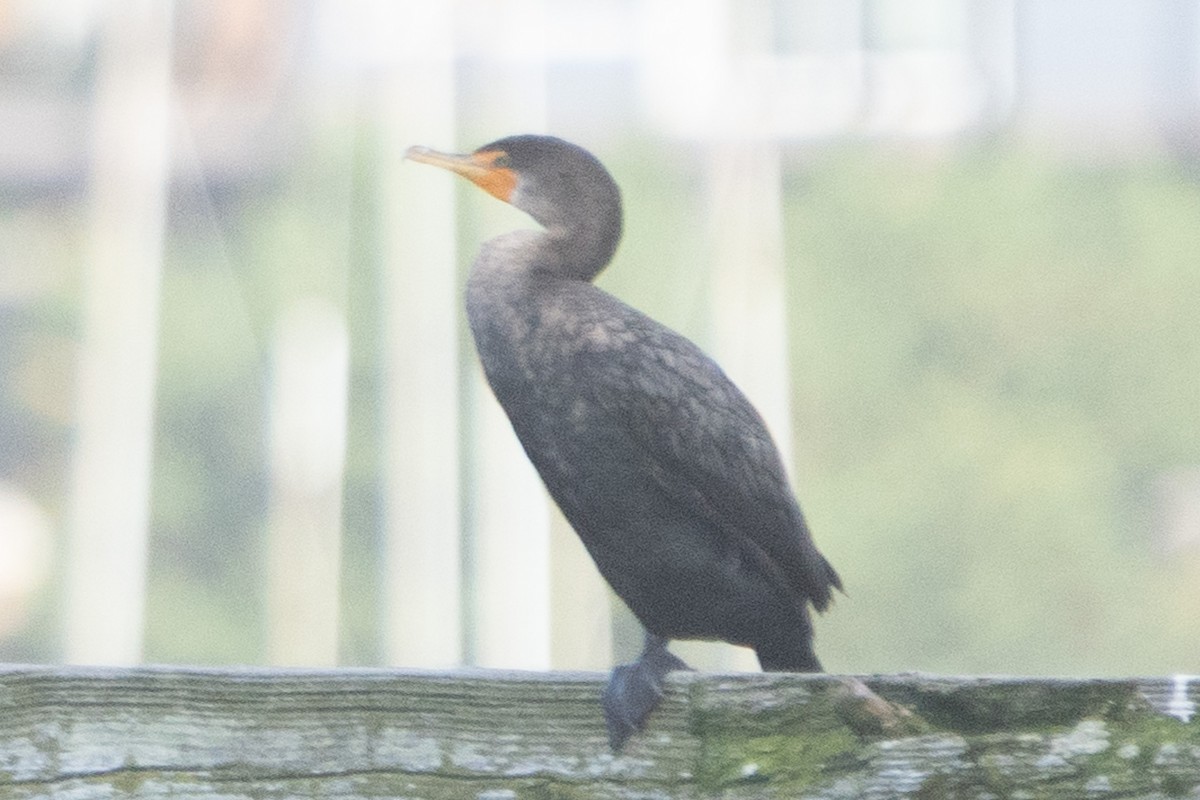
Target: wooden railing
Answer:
[[189, 733]]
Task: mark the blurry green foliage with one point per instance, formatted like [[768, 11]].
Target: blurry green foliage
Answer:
[[995, 357]]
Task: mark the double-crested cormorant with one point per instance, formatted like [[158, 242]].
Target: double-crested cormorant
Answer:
[[658, 461]]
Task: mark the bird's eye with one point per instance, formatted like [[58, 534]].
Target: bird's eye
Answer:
[[502, 161]]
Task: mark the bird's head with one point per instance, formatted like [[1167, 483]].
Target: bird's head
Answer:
[[559, 184]]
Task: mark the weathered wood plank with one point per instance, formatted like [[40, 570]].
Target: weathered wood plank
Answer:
[[214, 733]]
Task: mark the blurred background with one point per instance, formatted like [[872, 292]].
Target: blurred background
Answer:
[[951, 248]]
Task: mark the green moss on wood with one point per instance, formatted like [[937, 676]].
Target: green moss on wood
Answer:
[[795, 761]]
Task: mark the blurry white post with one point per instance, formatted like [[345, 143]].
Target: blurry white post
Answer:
[[707, 84], [745, 216], [110, 503], [510, 544], [749, 291], [309, 380], [750, 313], [422, 582], [747, 235], [747, 267]]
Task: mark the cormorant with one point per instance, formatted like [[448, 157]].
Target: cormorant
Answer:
[[657, 460]]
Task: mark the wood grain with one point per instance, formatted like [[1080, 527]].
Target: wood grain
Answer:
[[158, 732]]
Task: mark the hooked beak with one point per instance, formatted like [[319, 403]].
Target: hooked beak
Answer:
[[479, 167]]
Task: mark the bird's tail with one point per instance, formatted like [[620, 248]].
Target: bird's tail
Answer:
[[789, 650], [820, 581]]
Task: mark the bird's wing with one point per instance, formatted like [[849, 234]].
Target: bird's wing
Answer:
[[707, 447]]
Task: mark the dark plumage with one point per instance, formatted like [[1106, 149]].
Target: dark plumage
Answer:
[[658, 461]]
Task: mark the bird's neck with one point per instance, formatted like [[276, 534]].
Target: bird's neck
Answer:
[[515, 258], [582, 248], [579, 236], [514, 278], [556, 253]]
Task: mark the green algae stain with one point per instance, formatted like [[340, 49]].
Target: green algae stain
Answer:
[[794, 761], [1149, 752]]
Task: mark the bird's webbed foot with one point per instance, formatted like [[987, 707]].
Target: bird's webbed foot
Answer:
[[634, 690]]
